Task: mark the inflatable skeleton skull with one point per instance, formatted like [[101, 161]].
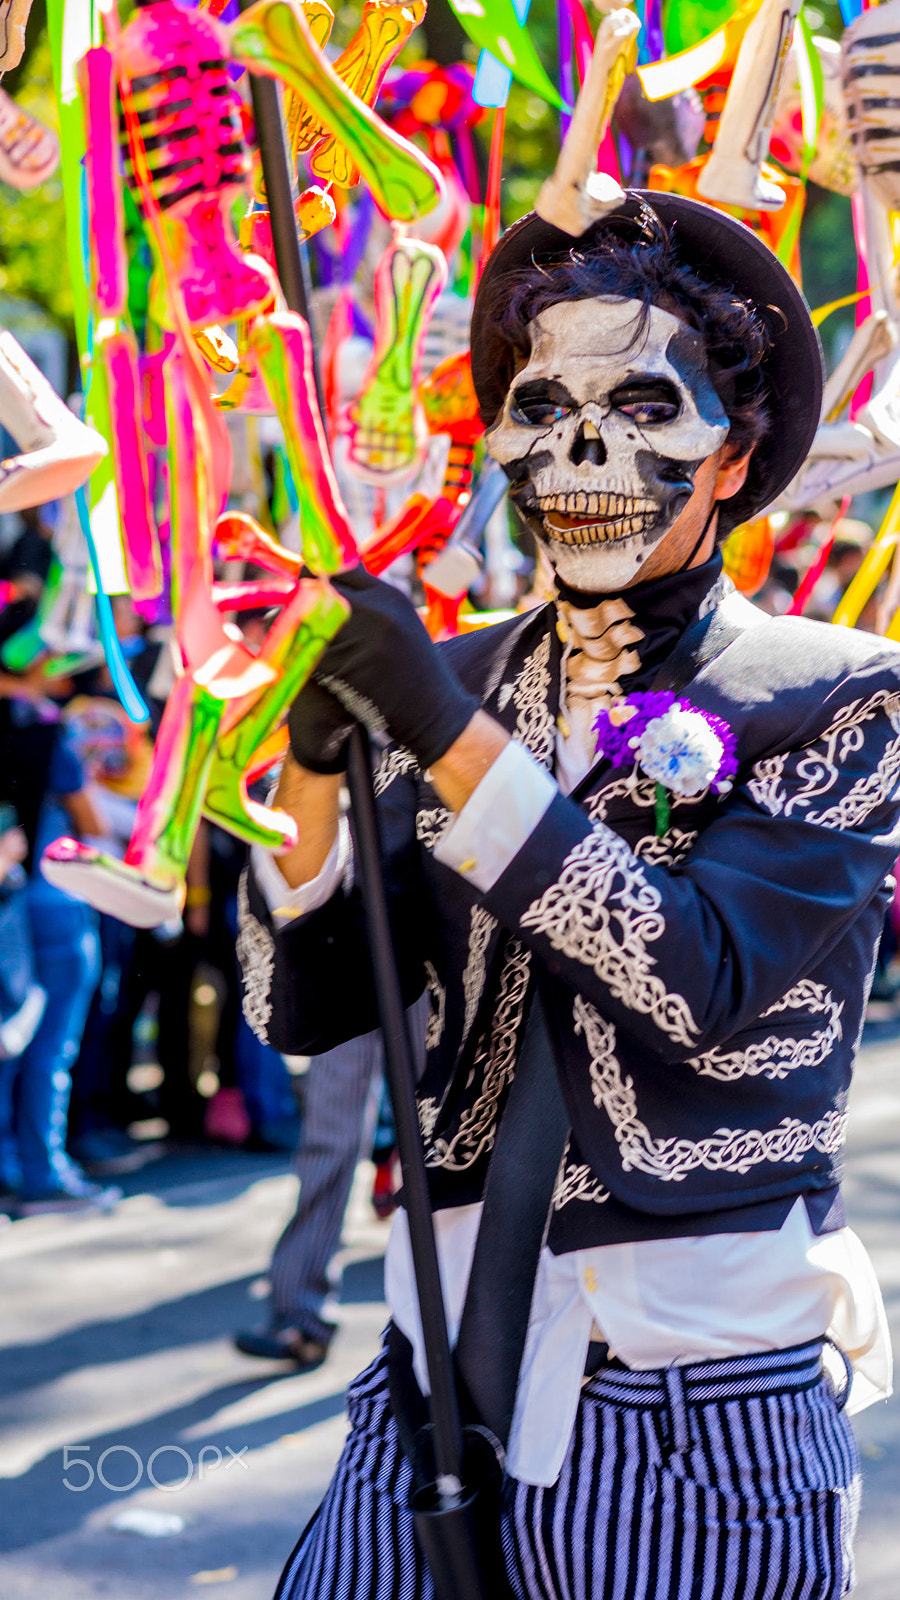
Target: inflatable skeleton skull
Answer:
[[602, 433]]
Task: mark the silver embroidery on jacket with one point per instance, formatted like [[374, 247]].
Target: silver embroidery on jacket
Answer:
[[640, 791], [603, 912], [670, 1160], [778, 1055], [576, 1181], [429, 1110], [675, 844], [534, 724], [495, 1058], [256, 954], [481, 926], [430, 824], [395, 763], [765, 783], [437, 994], [817, 769]]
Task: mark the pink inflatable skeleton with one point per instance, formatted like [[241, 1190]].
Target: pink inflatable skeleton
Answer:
[[185, 160]]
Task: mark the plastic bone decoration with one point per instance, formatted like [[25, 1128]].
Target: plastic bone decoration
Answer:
[[871, 58], [226, 702], [832, 166], [58, 453], [384, 29], [185, 147], [733, 174], [711, 66], [576, 194], [213, 725], [849, 457], [387, 426], [274, 38], [447, 569], [29, 152], [13, 18]]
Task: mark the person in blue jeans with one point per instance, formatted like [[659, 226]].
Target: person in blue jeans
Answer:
[[34, 1089]]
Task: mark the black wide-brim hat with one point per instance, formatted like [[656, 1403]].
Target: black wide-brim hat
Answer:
[[723, 252]]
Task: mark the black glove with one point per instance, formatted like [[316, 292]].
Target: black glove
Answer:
[[385, 671], [319, 728]]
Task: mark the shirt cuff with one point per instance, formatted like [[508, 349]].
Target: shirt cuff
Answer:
[[285, 903], [498, 817]]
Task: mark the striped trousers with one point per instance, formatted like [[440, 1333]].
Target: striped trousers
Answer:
[[726, 1480]]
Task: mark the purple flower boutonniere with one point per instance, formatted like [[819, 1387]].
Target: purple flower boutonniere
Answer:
[[683, 749]]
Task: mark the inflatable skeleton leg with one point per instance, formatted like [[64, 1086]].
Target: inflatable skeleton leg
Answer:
[[13, 18], [59, 453], [852, 457], [733, 175], [576, 195]]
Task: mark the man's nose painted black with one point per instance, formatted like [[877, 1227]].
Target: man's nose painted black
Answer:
[[588, 446]]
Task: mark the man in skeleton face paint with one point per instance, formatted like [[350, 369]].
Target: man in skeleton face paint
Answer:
[[603, 435], [615, 430], [636, 845]]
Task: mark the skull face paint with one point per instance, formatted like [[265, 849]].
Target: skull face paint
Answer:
[[601, 435]]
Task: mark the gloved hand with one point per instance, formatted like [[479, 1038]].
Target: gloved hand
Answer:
[[319, 728], [386, 673]]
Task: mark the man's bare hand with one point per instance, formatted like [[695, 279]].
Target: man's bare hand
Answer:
[[312, 799]]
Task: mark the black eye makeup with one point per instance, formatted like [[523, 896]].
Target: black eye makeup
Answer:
[[647, 401], [541, 403]]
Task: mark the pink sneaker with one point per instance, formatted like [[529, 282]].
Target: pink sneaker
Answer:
[[29, 152], [226, 1119]]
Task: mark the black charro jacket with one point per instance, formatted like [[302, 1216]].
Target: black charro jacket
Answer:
[[705, 990]]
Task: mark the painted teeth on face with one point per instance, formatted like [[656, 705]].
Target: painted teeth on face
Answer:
[[595, 504], [606, 532]]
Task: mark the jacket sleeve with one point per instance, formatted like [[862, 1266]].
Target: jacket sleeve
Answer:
[[307, 983], [682, 958]]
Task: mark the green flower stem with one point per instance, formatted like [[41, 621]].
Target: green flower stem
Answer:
[[662, 810]]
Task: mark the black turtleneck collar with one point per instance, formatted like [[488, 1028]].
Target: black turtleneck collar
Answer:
[[663, 609]]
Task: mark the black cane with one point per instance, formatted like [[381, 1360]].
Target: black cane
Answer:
[[446, 1513], [280, 200], [400, 1072]]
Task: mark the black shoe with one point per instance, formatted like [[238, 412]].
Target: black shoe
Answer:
[[284, 1344]]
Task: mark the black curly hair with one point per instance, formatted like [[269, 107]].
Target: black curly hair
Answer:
[[645, 265]]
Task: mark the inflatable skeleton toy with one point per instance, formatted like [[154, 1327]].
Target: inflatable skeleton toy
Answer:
[[851, 456]]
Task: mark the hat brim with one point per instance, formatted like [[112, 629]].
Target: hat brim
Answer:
[[722, 251]]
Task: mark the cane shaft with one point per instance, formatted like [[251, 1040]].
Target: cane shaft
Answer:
[[401, 1082]]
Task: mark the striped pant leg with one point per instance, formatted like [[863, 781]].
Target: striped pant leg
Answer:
[[752, 1497], [361, 1544], [337, 1094]]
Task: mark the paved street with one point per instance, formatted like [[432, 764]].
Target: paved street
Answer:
[[115, 1338]]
